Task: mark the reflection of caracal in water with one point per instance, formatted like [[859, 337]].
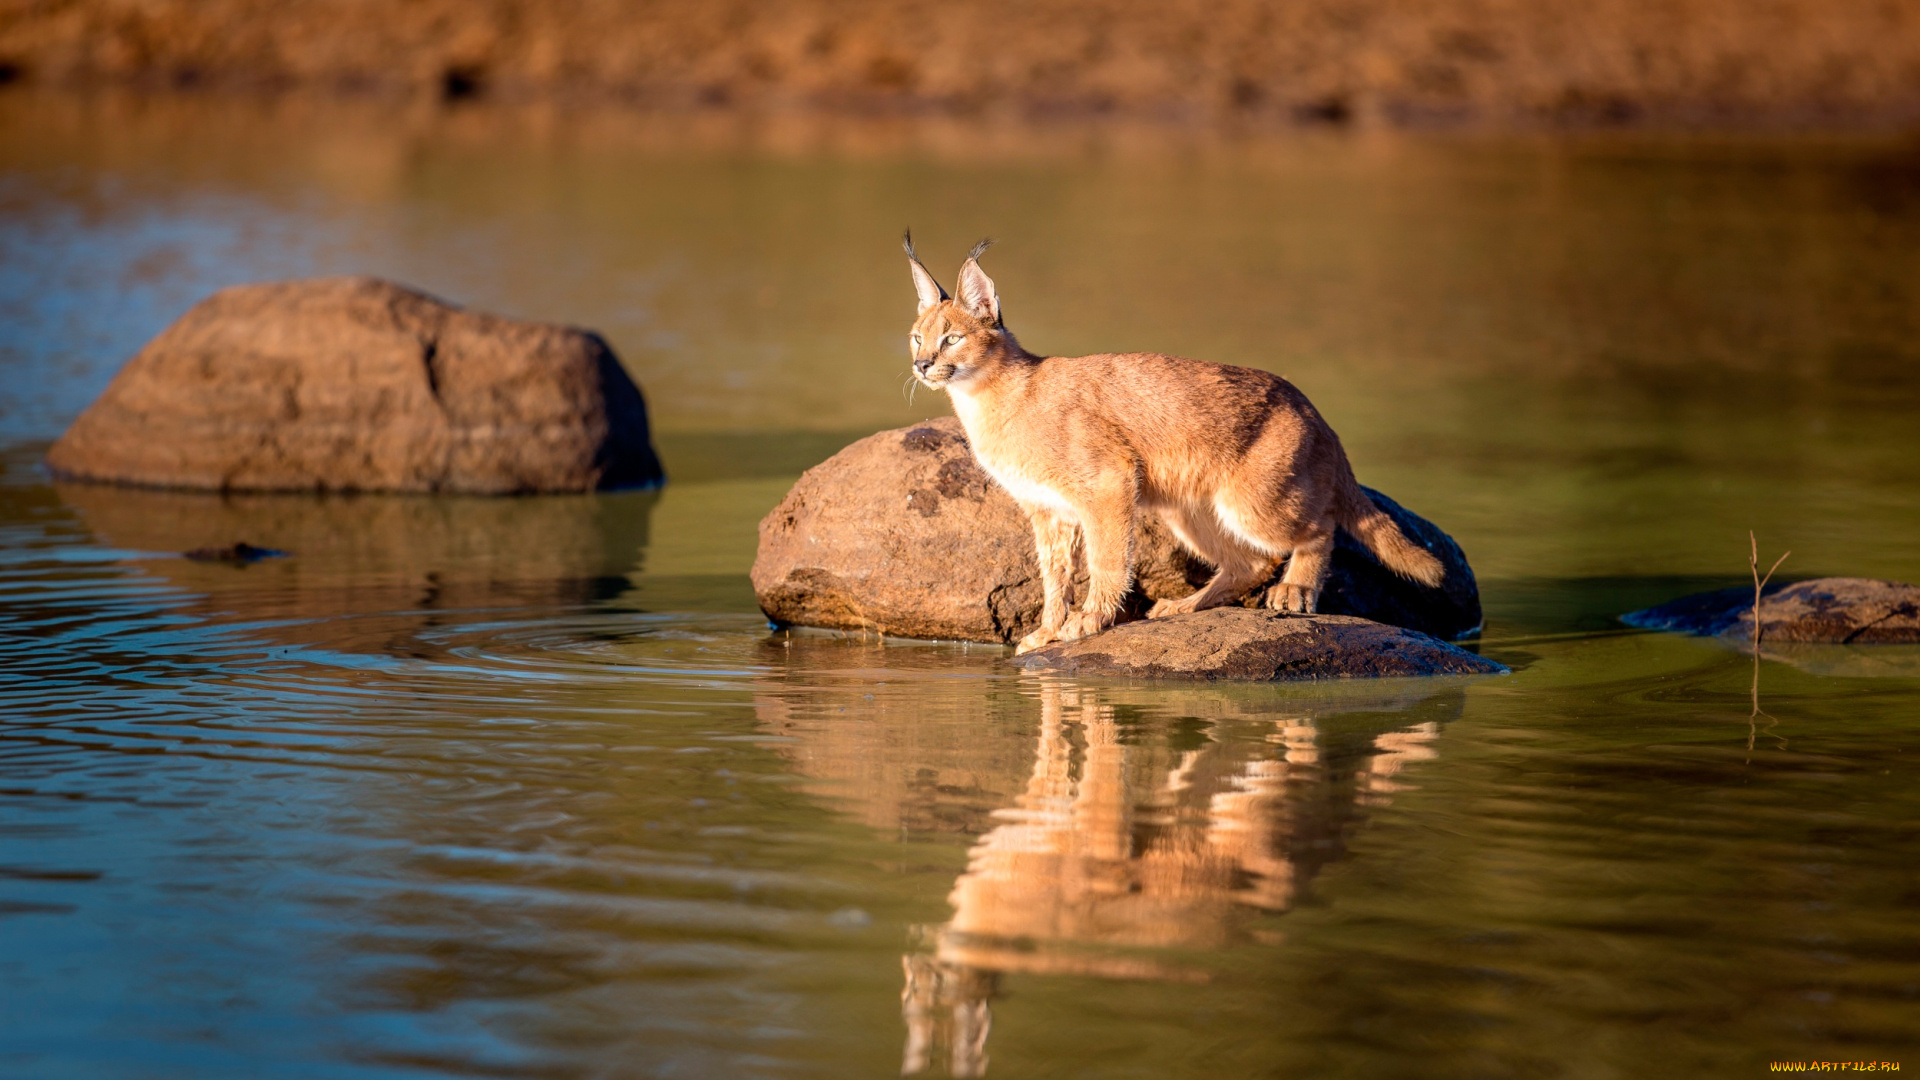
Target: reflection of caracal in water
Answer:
[[1236, 461], [1099, 852], [1115, 848]]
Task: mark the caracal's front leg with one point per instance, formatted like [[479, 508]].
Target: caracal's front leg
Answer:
[[1053, 537], [1106, 521]]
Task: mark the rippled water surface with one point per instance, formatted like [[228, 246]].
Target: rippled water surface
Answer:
[[529, 788]]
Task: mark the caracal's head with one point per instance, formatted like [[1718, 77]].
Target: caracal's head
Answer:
[[957, 340]]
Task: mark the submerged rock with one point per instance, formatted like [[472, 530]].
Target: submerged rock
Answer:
[[1833, 611], [904, 533], [1257, 645], [357, 384], [241, 552]]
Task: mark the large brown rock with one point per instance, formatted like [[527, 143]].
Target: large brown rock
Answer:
[[357, 384], [904, 533], [1256, 645], [1833, 611]]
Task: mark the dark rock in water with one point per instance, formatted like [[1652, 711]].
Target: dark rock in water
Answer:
[[1834, 611], [1704, 613], [241, 552], [1358, 585], [1257, 645], [356, 384], [904, 533]]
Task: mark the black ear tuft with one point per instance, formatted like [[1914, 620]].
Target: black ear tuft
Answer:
[[980, 248], [925, 287], [975, 289]]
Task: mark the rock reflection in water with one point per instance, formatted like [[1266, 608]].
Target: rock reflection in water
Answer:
[[1846, 661], [1136, 831], [372, 573]]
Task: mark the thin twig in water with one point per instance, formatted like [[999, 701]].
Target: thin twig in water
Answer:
[[1759, 583]]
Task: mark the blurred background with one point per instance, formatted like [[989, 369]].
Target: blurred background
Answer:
[[527, 787], [1499, 63]]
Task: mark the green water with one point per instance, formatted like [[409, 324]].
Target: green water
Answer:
[[528, 787]]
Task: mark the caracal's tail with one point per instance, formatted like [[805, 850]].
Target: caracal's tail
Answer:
[[1372, 527]]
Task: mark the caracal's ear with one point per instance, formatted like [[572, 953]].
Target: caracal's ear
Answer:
[[930, 291], [977, 293]]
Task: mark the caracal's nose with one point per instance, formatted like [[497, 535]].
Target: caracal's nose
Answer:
[[921, 366]]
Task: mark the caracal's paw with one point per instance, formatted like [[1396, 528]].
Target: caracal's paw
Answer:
[[1163, 608], [1293, 599], [1084, 624], [1039, 639]]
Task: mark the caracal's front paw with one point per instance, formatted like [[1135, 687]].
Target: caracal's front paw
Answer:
[[1039, 639], [1163, 608], [1084, 624], [1293, 599]]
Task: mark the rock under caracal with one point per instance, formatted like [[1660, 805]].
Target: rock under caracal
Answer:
[[904, 533], [1245, 644], [357, 384]]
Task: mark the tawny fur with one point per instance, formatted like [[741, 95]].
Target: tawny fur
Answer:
[[1237, 462]]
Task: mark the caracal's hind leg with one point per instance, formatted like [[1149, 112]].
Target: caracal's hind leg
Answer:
[[1053, 539], [1238, 567], [1298, 590], [1280, 502]]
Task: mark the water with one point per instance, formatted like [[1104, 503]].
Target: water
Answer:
[[528, 788]]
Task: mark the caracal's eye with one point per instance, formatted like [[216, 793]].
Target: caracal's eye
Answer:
[[954, 339], [914, 340]]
